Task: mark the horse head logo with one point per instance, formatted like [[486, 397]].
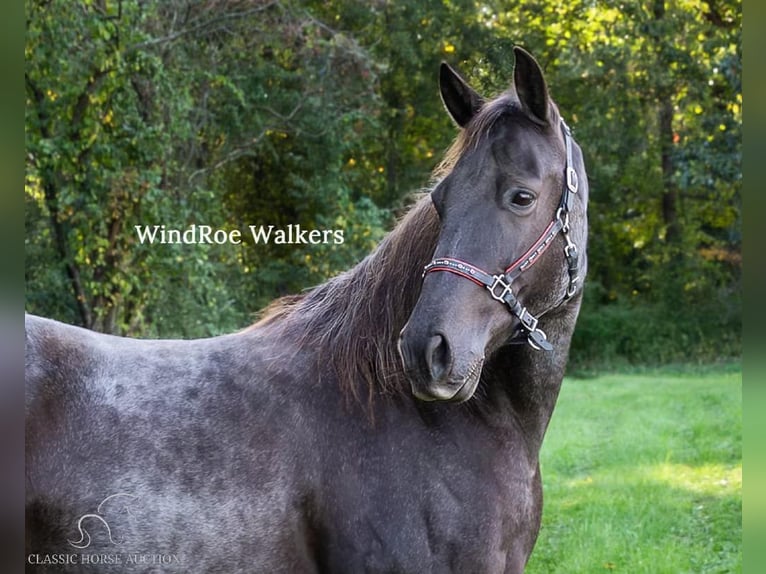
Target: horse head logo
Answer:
[[99, 518]]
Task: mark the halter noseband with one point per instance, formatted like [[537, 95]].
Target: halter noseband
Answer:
[[499, 286]]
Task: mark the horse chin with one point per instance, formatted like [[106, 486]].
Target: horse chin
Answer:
[[454, 390]]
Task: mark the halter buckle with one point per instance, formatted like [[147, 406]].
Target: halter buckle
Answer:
[[570, 249], [573, 183], [528, 320], [572, 287], [499, 280]]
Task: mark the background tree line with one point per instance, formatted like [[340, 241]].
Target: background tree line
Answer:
[[327, 114]]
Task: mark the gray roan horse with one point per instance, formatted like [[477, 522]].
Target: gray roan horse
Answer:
[[389, 420]]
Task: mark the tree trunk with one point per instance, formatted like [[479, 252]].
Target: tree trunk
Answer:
[[665, 128], [669, 192]]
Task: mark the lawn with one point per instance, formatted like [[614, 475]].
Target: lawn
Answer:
[[642, 473]]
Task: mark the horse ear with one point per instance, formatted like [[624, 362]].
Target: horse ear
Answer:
[[460, 99], [530, 85]]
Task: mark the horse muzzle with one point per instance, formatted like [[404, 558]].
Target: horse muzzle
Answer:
[[438, 370]]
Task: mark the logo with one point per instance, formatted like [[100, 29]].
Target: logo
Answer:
[[99, 518], [97, 528]]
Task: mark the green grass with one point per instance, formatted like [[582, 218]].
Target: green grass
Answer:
[[642, 473]]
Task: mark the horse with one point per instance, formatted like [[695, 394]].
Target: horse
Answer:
[[387, 421]]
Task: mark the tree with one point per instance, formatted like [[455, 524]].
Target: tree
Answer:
[[138, 113], [327, 114]]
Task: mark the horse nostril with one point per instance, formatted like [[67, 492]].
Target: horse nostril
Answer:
[[438, 357]]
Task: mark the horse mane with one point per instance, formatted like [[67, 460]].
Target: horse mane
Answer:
[[353, 321]]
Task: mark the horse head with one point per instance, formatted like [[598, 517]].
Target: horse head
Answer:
[[512, 210]]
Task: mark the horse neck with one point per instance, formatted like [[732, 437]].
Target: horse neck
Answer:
[[522, 384]]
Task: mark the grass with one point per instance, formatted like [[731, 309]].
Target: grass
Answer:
[[642, 473]]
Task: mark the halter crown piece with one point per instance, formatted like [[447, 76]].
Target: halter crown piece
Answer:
[[499, 286]]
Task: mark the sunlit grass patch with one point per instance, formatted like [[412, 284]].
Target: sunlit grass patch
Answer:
[[710, 479], [642, 473]]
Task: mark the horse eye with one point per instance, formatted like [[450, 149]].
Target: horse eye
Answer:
[[522, 198]]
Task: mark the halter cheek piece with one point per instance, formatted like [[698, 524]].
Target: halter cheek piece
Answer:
[[499, 286]]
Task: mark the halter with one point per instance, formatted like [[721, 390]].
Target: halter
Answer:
[[499, 286]]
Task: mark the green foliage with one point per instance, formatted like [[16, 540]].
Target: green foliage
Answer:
[[621, 333], [326, 114], [162, 106]]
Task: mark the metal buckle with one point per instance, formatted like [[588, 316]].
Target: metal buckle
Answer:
[[573, 183], [499, 280], [572, 287], [528, 320], [570, 249]]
